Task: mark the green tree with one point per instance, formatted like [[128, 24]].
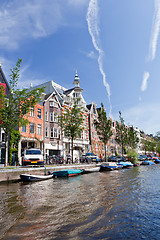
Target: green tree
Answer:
[[16, 106], [132, 138], [71, 122], [157, 142], [145, 145], [103, 127], [13, 149], [121, 133]]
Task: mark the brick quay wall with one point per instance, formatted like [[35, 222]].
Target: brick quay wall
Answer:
[[12, 174]]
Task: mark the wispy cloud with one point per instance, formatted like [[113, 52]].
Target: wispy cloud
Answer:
[[145, 81], [155, 31], [28, 19], [90, 54], [92, 20]]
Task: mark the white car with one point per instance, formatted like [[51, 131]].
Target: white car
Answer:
[[33, 156]]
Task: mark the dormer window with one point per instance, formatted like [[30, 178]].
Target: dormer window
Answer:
[[76, 95]]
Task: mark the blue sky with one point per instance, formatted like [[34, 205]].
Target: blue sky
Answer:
[[114, 46]]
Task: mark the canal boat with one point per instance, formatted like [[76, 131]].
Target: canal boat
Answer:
[[145, 162], [91, 170], [125, 164], [34, 178], [110, 166], [157, 161], [67, 173]]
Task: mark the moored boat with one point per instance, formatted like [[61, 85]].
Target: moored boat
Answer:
[[145, 162], [67, 173], [125, 164], [110, 166], [91, 170], [157, 161], [34, 178]]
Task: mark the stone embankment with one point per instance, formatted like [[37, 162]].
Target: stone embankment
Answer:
[[12, 174]]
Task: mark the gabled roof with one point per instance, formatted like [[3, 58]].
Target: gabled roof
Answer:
[[47, 96], [68, 91], [89, 106]]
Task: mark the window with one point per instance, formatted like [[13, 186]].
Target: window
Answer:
[[55, 133], [46, 131], [51, 132], [51, 104], [59, 134], [46, 116], [32, 125], [51, 117], [24, 129], [85, 134], [39, 113], [55, 117], [3, 137], [39, 129], [32, 112]]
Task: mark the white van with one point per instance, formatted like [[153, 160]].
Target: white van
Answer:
[[33, 156]]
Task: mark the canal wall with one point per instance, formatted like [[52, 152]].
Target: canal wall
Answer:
[[13, 174]]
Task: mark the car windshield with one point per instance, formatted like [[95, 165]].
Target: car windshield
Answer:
[[89, 154], [33, 152]]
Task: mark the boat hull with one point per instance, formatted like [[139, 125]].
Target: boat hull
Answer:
[[67, 173], [34, 178], [109, 167], [91, 170]]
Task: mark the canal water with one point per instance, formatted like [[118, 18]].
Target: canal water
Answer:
[[122, 204]]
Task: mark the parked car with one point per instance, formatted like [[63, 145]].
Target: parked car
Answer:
[[32, 156], [121, 158], [112, 159], [142, 157], [91, 157]]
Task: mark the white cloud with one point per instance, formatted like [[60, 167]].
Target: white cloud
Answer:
[[28, 19], [155, 31], [144, 81], [144, 116], [92, 20]]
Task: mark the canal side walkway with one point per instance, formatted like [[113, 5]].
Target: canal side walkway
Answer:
[[12, 173]]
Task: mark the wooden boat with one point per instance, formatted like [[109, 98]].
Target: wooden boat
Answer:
[[67, 173], [34, 178], [145, 162], [110, 166], [91, 170], [125, 164]]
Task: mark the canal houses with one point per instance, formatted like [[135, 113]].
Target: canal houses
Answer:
[[81, 143], [96, 145], [52, 131], [32, 133], [58, 98]]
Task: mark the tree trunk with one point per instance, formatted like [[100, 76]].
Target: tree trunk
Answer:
[[122, 149], [6, 150], [105, 153], [72, 149]]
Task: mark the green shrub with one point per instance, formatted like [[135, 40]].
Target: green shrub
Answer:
[[132, 156]]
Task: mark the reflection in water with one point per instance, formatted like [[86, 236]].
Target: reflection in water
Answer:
[[110, 205]]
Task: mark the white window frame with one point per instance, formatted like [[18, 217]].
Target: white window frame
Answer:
[[51, 132], [46, 116], [39, 113], [33, 124], [39, 129]]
